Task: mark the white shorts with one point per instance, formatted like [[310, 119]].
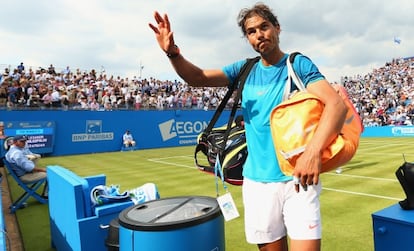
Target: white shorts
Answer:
[[274, 210]]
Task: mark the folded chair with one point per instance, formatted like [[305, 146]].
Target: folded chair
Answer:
[[30, 189]]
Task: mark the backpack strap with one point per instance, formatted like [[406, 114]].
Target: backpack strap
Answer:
[[241, 78], [244, 72]]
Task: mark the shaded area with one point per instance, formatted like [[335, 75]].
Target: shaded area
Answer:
[[14, 241]]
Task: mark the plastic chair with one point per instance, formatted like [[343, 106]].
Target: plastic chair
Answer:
[[127, 148], [30, 189]]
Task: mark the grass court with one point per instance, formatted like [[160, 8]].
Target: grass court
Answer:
[[367, 184]]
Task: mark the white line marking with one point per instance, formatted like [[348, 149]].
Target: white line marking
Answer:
[[172, 157], [363, 177], [159, 160], [362, 194]]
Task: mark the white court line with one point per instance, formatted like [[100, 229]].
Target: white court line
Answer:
[[362, 177], [171, 157], [160, 160], [362, 194]]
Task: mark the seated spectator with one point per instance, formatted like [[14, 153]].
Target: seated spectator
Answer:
[[21, 164], [34, 99], [47, 99], [128, 139], [94, 106]]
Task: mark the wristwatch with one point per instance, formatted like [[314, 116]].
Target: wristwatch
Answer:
[[174, 54]]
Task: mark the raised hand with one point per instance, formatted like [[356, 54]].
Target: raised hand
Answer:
[[163, 32]]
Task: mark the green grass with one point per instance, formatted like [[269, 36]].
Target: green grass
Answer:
[[367, 184]]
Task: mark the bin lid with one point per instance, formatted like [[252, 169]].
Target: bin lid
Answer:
[[170, 213]]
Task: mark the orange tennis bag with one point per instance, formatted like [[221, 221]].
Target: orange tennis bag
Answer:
[[294, 122]]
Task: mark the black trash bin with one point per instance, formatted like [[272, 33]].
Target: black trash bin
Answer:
[[112, 241], [180, 223]]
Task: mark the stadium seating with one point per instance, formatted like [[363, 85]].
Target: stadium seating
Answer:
[[75, 224]]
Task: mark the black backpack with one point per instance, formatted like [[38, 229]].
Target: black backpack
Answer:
[[229, 142], [405, 175]]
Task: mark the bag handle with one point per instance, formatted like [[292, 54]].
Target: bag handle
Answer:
[[292, 77]]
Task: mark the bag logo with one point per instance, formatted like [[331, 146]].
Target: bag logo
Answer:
[[349, 120]]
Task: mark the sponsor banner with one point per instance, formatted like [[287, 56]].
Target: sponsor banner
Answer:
[[79, 132], [40, 134], [389, 131]]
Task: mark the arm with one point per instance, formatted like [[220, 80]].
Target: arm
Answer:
[[37, 169], [20, 161], [309, 163], [191, 73]]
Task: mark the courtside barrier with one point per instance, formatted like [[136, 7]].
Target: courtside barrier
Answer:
[[57, 133]]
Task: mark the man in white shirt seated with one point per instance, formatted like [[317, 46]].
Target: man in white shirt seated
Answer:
[[128, 139], [24, 168]]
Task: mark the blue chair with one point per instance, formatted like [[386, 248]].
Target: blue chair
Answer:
[[30, 189], [75, 223]]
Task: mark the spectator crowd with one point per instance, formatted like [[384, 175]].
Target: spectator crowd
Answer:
[[67, 89], [382, 97]]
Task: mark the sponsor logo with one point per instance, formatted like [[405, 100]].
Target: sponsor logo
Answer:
[[350, 119], [402, 131], [167, 131], [186, 131], [93, 132]]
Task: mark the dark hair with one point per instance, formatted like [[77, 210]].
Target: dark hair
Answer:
[[259, 9]]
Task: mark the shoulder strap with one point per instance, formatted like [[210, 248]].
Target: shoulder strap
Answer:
[[238, 83], [292, 76], [244, 72]]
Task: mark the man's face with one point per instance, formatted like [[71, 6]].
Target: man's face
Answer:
[[20, 143], [262, 35]]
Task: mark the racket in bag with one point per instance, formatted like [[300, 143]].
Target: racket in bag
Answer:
[[233, 155]]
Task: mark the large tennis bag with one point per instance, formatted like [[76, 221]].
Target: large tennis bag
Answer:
[[231, 159], [295, 121]]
